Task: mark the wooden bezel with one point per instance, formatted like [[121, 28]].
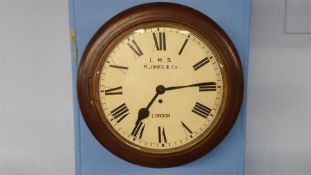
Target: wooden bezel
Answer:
[[153, 13]]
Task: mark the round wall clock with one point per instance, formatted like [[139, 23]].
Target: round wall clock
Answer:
[[160, 85]]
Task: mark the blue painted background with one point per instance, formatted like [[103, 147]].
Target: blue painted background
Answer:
[[86, 16]]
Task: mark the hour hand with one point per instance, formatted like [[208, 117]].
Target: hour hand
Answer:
[[206, 86], [142, 114]]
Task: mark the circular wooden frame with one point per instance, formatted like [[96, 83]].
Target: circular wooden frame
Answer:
[[148, 13]]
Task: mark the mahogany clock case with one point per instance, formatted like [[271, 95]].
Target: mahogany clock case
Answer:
[[151, 14]]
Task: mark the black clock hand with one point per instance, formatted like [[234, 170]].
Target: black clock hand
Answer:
[[191, 85], [152, 100], [144, 112]]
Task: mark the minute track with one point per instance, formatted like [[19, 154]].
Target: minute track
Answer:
[[144, 126]]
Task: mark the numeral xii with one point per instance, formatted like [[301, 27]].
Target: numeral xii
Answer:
[[160, 42]]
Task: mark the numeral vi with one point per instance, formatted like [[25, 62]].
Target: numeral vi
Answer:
[[161, 135]]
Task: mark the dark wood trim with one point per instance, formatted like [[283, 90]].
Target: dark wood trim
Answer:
[[148, 14]]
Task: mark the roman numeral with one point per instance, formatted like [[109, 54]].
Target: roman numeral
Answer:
[[138, 130], [209, 86], [119, 67], [201, 110], [186, 128], [113, 91], [183, 46], [161, 42], [135, 48], [161, 135], [120, 112], [200, 63]]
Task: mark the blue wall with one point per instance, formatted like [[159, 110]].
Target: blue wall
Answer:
[[227, 158]]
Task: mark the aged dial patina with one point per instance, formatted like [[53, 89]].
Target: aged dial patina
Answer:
[[160, 88], [160, 85]]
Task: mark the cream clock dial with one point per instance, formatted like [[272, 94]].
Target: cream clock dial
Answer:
[[160, 88]]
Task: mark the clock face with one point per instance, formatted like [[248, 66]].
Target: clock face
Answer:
[[160, 85], [160, 89]]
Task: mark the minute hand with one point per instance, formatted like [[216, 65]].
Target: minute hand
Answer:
[[206, 84]]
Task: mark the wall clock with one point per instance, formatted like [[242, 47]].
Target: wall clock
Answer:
[[160, 85]]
